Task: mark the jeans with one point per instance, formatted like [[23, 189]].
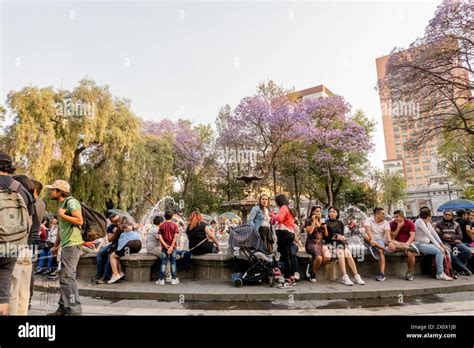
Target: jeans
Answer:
[[294, 259], [285, 240], [69, 295], [431, 249], [103, 263], [46, 258], [7, 264], [460, 255], [186, 257], [164, 260]]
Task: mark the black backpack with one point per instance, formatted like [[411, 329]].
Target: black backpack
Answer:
[[95, 224]]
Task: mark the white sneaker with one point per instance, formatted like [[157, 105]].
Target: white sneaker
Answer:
[[174, 281], [122, 274], [358, 279], [160, 282], [297, 276], [114, 279], [346, 280], [443, 276]]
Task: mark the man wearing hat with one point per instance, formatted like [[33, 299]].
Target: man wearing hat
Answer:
[[69, 239], [7, 262]]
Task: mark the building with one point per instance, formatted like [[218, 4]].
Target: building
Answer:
[[319, 91], [426, 184]]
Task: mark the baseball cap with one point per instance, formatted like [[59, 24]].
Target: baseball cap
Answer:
[[61, 185]]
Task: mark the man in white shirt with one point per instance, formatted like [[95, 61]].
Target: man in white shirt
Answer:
[[377, 236]]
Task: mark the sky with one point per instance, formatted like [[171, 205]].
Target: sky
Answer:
[[177, 59]]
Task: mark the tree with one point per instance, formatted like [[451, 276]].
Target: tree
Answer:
[[434, 74], [340, 142], [394, 189], [265, 122], [90, 138]]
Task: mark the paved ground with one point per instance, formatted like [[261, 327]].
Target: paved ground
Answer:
[[461, 303], [191, 290], [424, 295]]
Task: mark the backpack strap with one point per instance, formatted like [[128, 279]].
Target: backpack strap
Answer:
[[14, 186]]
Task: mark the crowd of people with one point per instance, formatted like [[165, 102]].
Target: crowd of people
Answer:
[[57, 242], [447, 240]]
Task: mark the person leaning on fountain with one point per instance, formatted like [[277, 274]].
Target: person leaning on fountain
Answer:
[[201, 238]]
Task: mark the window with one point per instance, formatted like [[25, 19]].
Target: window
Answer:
[[426, 168], [409, 169], [417, 169]]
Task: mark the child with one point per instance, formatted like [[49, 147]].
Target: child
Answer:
[[168, 235]]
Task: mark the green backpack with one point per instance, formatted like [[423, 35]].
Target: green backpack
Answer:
[[14, 219]]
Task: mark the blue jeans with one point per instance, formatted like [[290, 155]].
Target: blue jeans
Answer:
[[186, 256], [164, 260], [103, 263], [46, 258], [460, 255], [294, 258], [431, 249]]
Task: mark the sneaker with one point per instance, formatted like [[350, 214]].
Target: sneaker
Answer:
[[374, 252], [308, 271], [413, 249], [358, 279], [39, 271], [101, 281], [380, 277], [443, 276], [114, 278], [467, 272], [297, 276], [122, 274], [346, 280], [160, 282], [409, 276], [312, 278], [174, 281], [59, 313]]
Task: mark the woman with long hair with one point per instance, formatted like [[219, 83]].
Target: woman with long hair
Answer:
[[259, 219], [428, 242], [337, 242], [317, 230], [202, 239], [284, 223]]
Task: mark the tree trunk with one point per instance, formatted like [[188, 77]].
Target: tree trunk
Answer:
[[297, 195], [329, 189], [274, 180]]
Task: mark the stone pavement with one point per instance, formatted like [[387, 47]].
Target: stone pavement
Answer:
[[193, 290], [461, 303]]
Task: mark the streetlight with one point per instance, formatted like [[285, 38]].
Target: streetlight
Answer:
[[449, 189]]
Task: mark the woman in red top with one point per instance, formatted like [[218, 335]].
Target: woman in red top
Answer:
[[285, 231]]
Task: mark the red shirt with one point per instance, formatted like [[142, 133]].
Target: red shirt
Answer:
[[404, 233], [167, 230], [284, 217]]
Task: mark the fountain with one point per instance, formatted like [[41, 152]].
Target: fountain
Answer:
[[246, 204], [354, 230]]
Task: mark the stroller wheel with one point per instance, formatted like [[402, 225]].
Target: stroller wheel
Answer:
[[238, 283]]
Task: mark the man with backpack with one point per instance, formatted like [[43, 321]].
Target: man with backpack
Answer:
[[17, 208], [70, 220]]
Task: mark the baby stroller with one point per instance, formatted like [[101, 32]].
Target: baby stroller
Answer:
[[256, 264]]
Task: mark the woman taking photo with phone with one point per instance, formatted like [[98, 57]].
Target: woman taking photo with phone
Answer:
[[316, 229]]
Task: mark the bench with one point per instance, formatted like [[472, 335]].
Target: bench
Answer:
[[143, 267]]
